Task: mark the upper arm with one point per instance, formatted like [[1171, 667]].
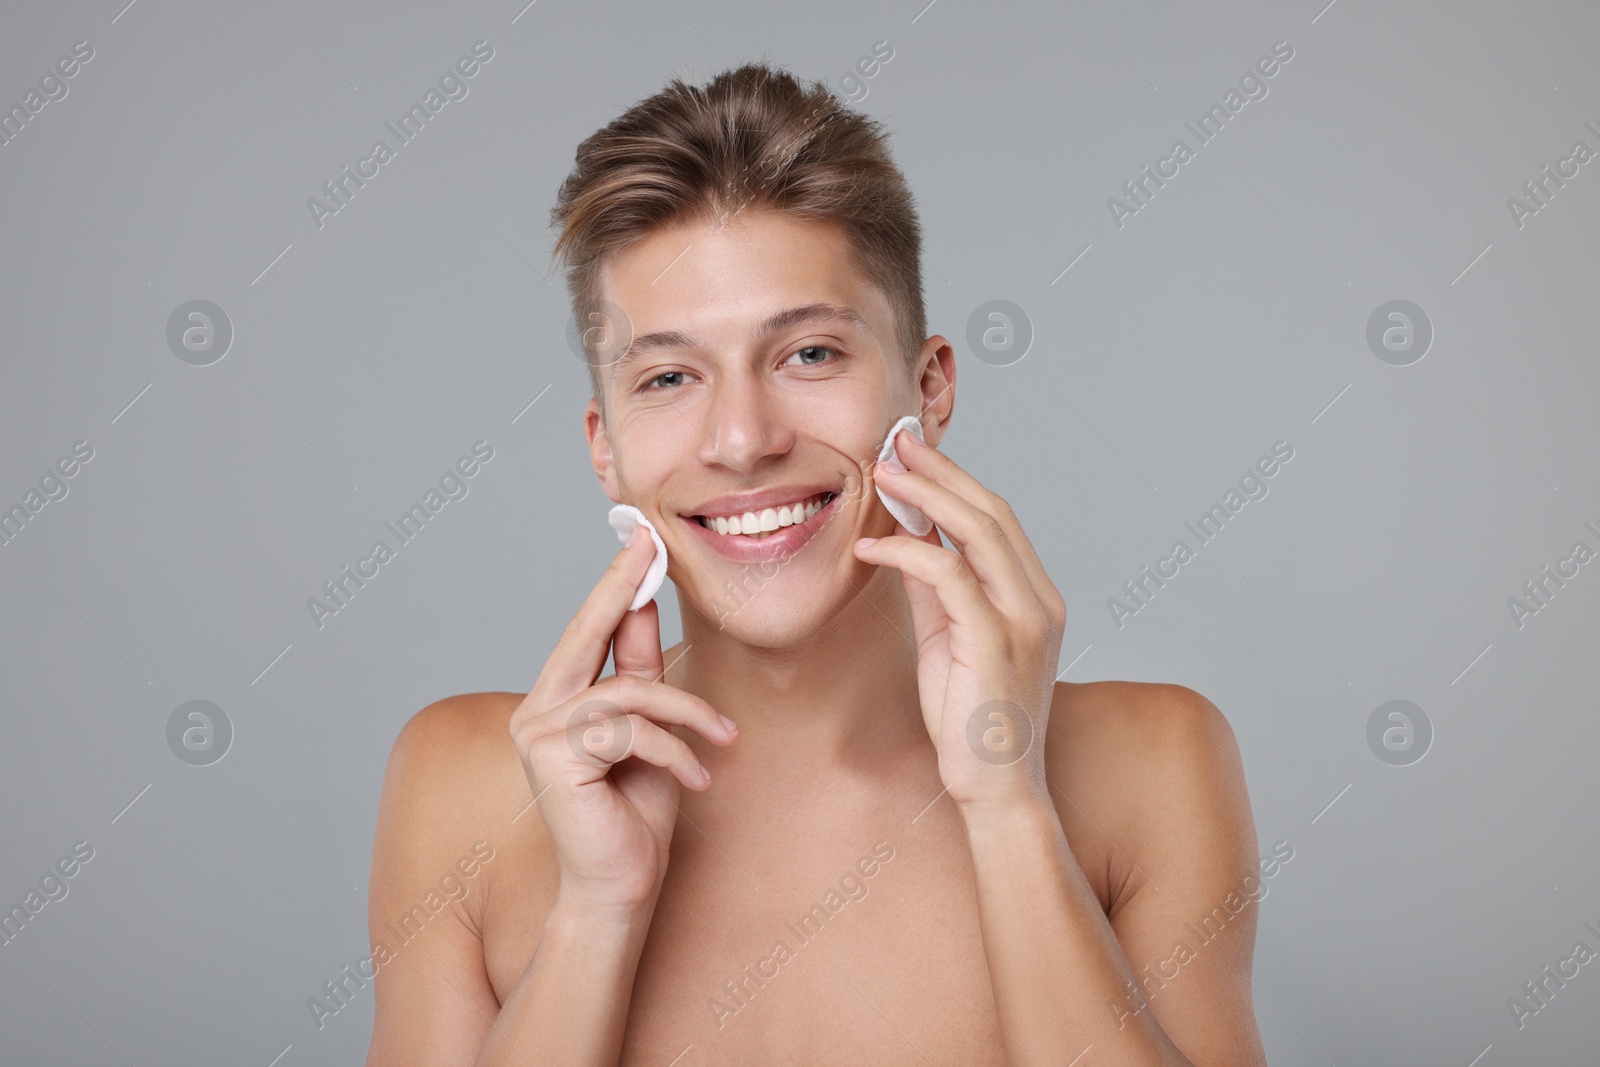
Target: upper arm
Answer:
[[1188, 926], [433, 1001]]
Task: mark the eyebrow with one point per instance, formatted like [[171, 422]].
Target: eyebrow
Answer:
[[786, 319]]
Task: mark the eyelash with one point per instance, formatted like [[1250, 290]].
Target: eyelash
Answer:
[[649, 386]]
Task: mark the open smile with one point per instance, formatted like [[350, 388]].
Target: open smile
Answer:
[[767, 533]]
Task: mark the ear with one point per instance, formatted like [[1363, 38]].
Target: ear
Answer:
[[605, 466], [936, 387]]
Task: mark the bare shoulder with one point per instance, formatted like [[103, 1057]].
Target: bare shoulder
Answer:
[[453, 749], [1135, 725], [1154, 778], [464, 733], [1153, 770], [453, 777]]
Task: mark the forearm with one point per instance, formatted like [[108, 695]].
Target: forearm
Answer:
[[1055, 965], [571, 1005]]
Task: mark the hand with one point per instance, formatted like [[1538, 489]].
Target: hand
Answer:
[[988, 627], [600, 759]]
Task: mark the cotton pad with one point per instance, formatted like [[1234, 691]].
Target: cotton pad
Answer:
[[911, 518], [625, 518]]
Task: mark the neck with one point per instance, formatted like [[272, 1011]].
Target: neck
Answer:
[[845, 698]]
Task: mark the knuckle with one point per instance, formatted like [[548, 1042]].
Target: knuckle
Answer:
[[524, 727], [1042, 621], [577, 632], [533, 748]]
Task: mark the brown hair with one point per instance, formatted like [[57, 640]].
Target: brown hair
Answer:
[[755, 137]]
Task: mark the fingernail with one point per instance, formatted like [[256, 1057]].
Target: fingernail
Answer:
[[893, 467], [728, 724], [866, 542], [638, 532], [705, 773]]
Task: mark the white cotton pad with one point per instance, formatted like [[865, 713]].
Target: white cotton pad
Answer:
[[625, 518], [911, 518]]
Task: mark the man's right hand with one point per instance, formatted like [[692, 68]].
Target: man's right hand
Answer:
[[602, 763]]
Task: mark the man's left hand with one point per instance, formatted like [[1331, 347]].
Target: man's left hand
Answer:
[[988, 624]]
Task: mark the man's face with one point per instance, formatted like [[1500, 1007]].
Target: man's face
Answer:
[[723, 409]]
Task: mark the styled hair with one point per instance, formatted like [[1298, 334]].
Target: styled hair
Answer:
[[754, 138]]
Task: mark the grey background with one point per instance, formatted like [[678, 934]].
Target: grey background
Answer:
[[1228, 314]]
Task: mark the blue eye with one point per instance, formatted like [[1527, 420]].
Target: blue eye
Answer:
[[813, 348]]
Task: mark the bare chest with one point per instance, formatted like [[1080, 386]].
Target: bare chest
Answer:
[[857, 943]]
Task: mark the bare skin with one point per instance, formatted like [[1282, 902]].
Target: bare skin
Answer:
[[963, 913]]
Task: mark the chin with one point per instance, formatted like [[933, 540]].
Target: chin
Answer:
[[779, 613], [782, 608]]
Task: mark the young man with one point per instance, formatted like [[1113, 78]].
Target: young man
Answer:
[[889, 859]]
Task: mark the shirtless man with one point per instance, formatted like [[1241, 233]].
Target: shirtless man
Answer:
[[889, 859]]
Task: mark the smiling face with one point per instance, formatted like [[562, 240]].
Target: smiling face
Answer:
[[763, 375]]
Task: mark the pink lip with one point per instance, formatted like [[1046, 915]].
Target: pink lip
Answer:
[[779, 544]]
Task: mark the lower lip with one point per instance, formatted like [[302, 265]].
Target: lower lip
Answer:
[[780, 543]]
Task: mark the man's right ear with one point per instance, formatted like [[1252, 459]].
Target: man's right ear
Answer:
[[605, 468]]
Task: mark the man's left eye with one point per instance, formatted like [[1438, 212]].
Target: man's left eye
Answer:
[[812, 350]]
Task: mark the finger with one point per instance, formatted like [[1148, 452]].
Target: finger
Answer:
[[580, 655], [636, 646], [978, 535], [928, 617], [921, 457], [944, 570], [666, 704], [637, 737]]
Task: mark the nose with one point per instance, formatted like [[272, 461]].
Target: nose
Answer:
[[744, 424]]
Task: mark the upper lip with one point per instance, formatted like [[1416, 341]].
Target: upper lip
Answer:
[[756, 500]]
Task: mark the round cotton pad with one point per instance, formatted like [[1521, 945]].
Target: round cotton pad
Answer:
[[911, 518], [625, 518]]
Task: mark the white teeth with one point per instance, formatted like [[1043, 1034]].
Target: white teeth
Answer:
[[752, 524]]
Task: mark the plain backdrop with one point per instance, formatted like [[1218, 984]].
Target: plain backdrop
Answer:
[[1169, 349]]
